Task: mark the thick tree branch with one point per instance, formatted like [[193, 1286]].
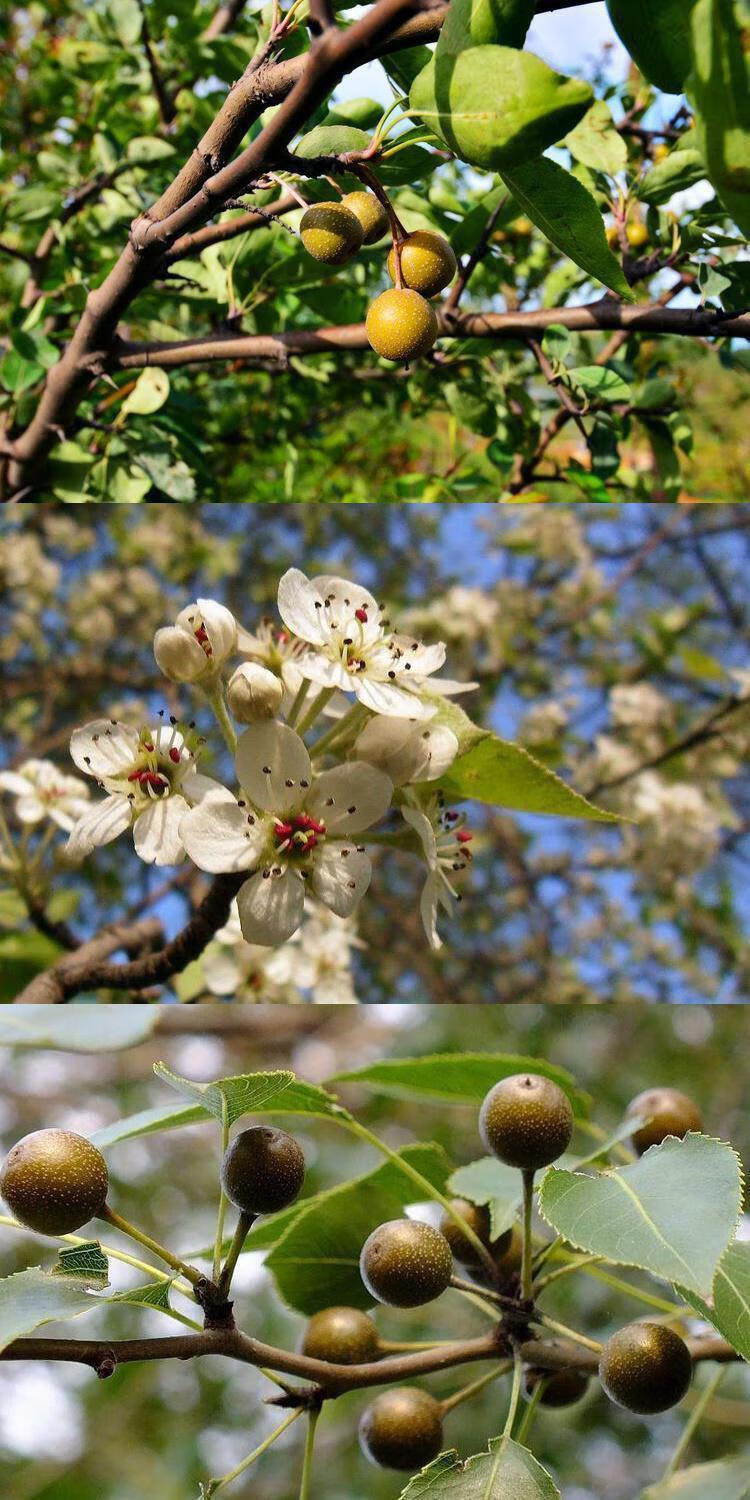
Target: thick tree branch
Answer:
[[51, 986]]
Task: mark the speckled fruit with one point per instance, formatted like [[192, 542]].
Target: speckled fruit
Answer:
[[561, 1387], [526, 1121], [646, 1368], [263, 1170], [478, 1218], [342, 1335], [665, 1112], [405, 1263], [330, 232], [54, 1181], [401, 325], [370, 212], [402, 1429], [428, 263]]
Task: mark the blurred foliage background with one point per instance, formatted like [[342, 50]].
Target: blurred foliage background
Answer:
[[155, 1430], [602, 639]]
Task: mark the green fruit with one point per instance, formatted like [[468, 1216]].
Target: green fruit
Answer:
[[666, 1112], [263, 1170], [478, 1218], [428, 262], [330, 232], [370, 212], [526, 1121], [401, 325], [405, 1263], [54, 1181], [561, 1387], [645, 1368], [402, 1429], [342, 1335]]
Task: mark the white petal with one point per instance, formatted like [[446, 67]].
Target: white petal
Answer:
[[273, 767], [100, 825], [156, 832], [221, 628], [218, 836], [10, 781], [428, 906], [30, 810], [196, 787], [421, 823], [167, 738], [102, 748], [423, 659], [178, 654], [340, 877], [345, 599], [297, 600], [441, 746], [444, 687], [405, 749], [350, 797], [221, 970], [326, 673], [271, 907], [386, 698]]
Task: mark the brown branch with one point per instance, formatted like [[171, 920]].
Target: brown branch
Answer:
[[223, 20], [161, 93], [216, 234], [84, 969], [707, 730], [500, 327]]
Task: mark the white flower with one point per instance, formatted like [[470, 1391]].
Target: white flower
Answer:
[[42, 791], [254, 693], [444, 842], [406, 749], [151, 780], [289, 828], [679, 830], [314, 963], [196, 646], [353, 647], [638, 705]]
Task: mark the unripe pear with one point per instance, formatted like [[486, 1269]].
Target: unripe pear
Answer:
[[428, 262], [401, 325], [665, 1112], [370, 212], [561, 1387], [646, 1368], [637, 235], [54, 1181], [254, 693], [341, 1335], [405, 1263], [402, 1428], [477, 1217], [526, 1121], [330, 232], [263, 1170]]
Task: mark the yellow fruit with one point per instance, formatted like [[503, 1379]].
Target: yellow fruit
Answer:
[[427, 262], [370, 212], [613, 237], [401, 325], [659, 152], [522, 225], [637, 235], [330, 232]]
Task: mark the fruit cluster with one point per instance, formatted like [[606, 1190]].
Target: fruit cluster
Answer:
[[401, 323]]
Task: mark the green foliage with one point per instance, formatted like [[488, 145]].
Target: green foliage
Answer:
[[657, 35], [34, 1297], [505, 1470]]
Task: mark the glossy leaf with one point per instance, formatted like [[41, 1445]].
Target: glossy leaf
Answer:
[[565, 211]]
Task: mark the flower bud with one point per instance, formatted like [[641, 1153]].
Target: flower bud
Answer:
[[254, 693], [407, 750], [196, 646], [178, 655]]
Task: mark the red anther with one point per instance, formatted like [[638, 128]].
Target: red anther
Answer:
[[283, 830], [307, 824], [153, 778], [450, 817], [174, 755], [147, 745], [463, 836], [201, 634], [361, 615], [135, 776]]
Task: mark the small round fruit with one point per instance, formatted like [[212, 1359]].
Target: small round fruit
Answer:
[[402, 1429], [665, 1112], [428, 262], [526, 1121], [330, 232], [401, 325], [511, 1259], [637, 235], [405, 1263], [478, 1218], [645, 1368], [613, 237], [54, 1181], [263, 1170], [659, 152], [342, 1335], [561, 1387], [370, 212]]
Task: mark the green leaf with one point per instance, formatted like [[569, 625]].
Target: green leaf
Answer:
[[67, 471], [719, 89], [147, 148], [331, 140], [87, 1260], [18, 374], [597, 143], [474, 23], [726, 1479], [127, 20], [152, 1294], [729, 1308], [460, 1078], [493, 1185], [680, 170], [656, 33], [565, 211], [149, 393], [644, 1215], [506, 775], [316, 1262], [253, 1093], [600, 383], [33, 1297], [496, 107], [505, 1472], [77, 1028]]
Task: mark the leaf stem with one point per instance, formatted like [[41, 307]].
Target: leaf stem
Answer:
[[312, 1422], [218, 1484], [219, 1236], [567, 1333], [467, 1391], [529, 1413], [116, 1220], [514, 1397]]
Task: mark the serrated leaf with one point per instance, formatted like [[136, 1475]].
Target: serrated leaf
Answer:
[[506, 1472], [505, 775], [316, 1262], [250, 1093], [33, 1297], [77, 1029], [729, 1307], [152, 1294], [644, 1215], [493, 1185], [565, 211], [86, 1260], [601, 383], [726, 1479], [460, 1078]]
